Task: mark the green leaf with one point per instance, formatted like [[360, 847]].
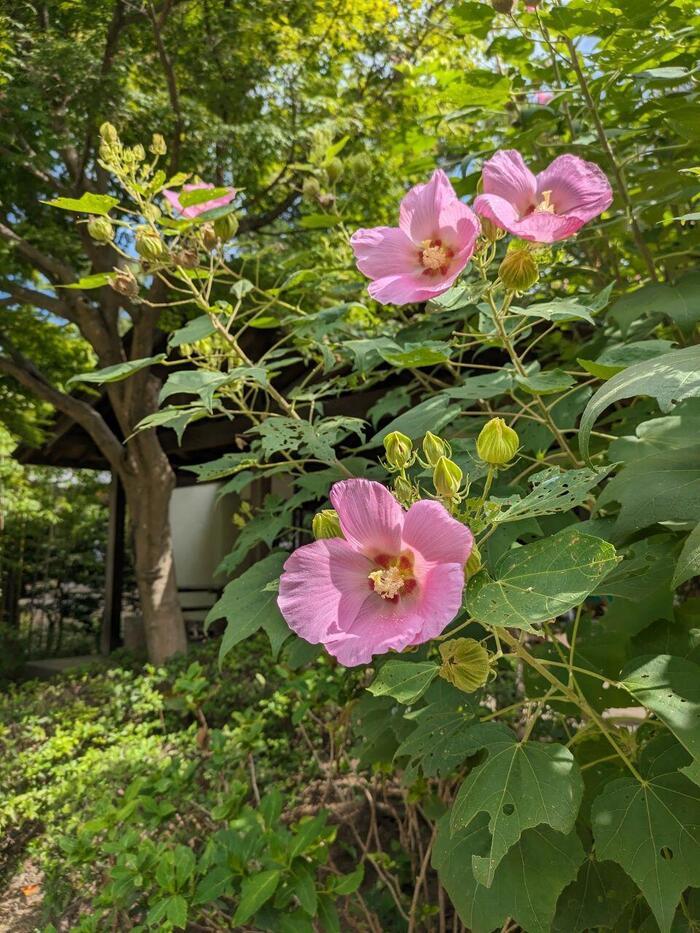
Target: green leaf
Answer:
[[177, 911], [616, 358], [526, 884], [662, 487], [670, 688], [319, 221], [223, 466], [680, 302], [90, 281], [553, 490], [652, 829], [256, 890], [405, 681], [214, 884], [194, 330], [308, 832], [595, 899], [440, 741], [560, 310], [540, 580], [348, 884], [304, 888], [185, 863], [415, 355], [520, 785], [668, 378], [87, 204], [201, 196], [483, 387], [328, 915], [118, 372], [333, 150], [431, 415], [201, 382], [175, 418], [246, 604], [546, 382], [688, 565]]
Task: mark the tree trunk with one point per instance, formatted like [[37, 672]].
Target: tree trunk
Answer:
[[148, 493]]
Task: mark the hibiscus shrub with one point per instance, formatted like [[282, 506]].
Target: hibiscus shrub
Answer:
[[489, 492]]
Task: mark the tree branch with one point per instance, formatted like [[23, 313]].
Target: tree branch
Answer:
[[20, 294], [27, 374]]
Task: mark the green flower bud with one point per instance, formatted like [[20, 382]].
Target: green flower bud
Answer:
[[497, 444], [152, 212], [398, 450], [109, 134], [359, 165], [490, 230], [519, 271], [465, 664], [100, 229], [124, 282], [334, 170], [405, 492], [226, 227], [311, 188], [434, 447], [149, 244], [474, 563], [138, 152], [447, 478], [326, 524], [158, 146]]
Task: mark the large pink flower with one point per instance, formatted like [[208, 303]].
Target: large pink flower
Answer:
[[422, 257], [196, 209], [547, 207], [395, 579]]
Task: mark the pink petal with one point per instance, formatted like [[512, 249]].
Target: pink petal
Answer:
[[322, 584], [506, 175], [497, 209], [458, 227], [407, 289], [430, 530], [419, 215], [370, 518], [196, 209], [383, 251], [577, 187], [173, 199], [538, 227], [440, 600], [380, 626]]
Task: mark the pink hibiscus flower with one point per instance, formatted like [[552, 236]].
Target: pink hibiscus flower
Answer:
[[395, 578], [196, 209], [543, 98], [422, 257], [543, 208]]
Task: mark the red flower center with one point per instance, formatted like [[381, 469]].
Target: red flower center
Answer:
[[435, 257], [393, 577]]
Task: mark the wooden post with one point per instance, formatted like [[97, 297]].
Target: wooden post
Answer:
[[114, 569]]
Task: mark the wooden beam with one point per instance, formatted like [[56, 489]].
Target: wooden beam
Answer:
[[111, 637]]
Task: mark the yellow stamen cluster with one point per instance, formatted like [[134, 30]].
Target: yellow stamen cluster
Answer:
[[433, 255], [545, 206], [388, 582]]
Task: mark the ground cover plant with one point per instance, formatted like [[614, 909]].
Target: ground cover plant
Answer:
[[483, 398]]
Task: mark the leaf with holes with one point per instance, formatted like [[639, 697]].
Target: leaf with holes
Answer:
[[520, 785], [595, 899], [670, 688], [541, 580], [526, 884], [554, 490], [440, 740], [652, 829], [668, 378], [688, 565], [117, 372]]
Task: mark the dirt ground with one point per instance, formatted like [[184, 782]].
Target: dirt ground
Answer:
[[20, 901]]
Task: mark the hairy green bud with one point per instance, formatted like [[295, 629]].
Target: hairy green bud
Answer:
[[519, 271], [447, 478], [474, 562], [334, 170], [100, 229], [226, 227], [497, 444], [325, 524], [465, 664], [399, 450], [311, 189], [434, 447], [149, 244], [158, 146], [109, 134]]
